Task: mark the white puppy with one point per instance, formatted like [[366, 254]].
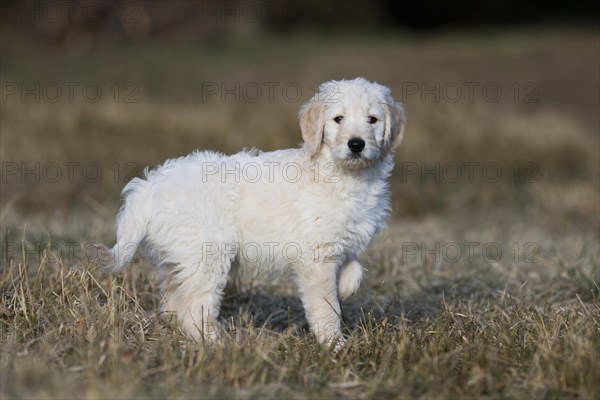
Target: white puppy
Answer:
[[314, 209]]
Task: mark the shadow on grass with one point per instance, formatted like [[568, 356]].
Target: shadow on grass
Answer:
[[264, 307]]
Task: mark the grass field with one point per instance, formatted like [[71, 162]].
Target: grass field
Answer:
[[484, 285]]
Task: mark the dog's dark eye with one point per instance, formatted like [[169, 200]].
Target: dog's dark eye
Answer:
[[372, 119], [338, 119]]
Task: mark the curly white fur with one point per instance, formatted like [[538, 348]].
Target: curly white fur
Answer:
[[314, 209]]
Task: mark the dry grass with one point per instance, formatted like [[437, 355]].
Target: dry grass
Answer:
[[523, 325], [415, 329]]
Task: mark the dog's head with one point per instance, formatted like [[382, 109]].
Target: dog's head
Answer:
[[357, 122]]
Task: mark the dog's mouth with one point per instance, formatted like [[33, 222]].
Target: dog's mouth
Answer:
[[356, 161]]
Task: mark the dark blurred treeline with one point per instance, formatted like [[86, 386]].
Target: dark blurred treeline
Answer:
[[111, 21]]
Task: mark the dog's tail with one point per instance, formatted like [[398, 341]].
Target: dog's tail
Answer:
[[132, 222]]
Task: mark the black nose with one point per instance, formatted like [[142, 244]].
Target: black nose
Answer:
[[356, 145]]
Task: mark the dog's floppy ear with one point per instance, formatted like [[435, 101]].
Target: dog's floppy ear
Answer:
[[312, 124], [395, 122]]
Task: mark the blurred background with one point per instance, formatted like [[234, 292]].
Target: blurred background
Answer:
[[502, 100]]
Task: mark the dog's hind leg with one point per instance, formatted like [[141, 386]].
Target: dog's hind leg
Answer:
[[194, 293]]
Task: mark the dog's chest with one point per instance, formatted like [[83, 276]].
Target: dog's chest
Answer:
[[360, 211], [308, 214]]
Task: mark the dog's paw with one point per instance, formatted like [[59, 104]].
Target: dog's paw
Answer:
[[350, 278]]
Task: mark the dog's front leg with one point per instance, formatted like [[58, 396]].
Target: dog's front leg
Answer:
[[318, 288]]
